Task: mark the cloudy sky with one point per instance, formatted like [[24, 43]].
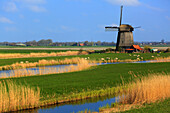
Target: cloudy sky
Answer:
[[80, 20]]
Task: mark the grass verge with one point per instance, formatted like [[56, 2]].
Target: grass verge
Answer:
[[104, 57]]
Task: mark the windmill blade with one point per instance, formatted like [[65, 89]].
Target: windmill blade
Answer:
[[121, 15], [137, 27], [111, 28]]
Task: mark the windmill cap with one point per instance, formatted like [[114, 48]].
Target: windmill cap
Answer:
[[125, 27]]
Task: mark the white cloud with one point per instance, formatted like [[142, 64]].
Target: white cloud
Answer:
[[66, 28], [21, 16], [10, 29], [5, 20], [124, 2], [33, 5], [32, 1], [103, 26], [36, 8], [79, 0], [167, 17], [36, 20], [10, 7], [153, 8], [141, 29]]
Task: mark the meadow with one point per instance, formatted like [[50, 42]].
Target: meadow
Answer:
[[96, 78], [28, 51], [95, 56], [94, 81]]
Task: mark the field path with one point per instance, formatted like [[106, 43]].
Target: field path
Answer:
[[76, 48]]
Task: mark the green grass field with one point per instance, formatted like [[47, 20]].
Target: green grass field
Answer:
[[97, 77], [29, 51], [96, 56], [53, 46]]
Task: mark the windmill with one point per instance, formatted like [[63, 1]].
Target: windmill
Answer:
[[125, 34]]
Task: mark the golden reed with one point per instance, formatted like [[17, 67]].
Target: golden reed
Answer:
[[19, 55], [43, 62], [147, 89], [15, 96], [81, 65]]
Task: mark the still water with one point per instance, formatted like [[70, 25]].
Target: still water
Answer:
[[92, 104]]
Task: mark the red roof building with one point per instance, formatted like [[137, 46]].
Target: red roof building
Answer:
[[134, 48]]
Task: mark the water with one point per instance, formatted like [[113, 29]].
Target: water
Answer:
[[92, 104], [54, 69], [35, 70], [89, 104]]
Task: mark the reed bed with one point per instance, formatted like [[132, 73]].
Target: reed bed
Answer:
[[18, 55], [43, 62], [162, 59], [144, 90], [156, 59], [147, 90], [15, 96], [81, 65]]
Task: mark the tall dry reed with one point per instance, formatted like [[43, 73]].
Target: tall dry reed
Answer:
[[81, 65], [43, 62], [19, 55], [15, 96], [161, 59], [147, 89]]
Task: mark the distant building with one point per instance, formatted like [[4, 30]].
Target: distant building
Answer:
[[134, 48], [20, 44], [81, 44]]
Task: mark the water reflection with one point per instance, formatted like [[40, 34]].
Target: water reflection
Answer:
[[51, 69], [92, 104]]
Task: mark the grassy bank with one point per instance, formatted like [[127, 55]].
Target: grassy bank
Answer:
[[96, 78], [158, 107], [98, 57], [144, 91], [81, 64], [33, 55], [97, 81]]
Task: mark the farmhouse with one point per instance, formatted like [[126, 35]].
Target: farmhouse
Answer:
[[134, 48]]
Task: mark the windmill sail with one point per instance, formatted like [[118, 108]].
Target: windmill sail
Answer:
[[121, 15], [125, 33]]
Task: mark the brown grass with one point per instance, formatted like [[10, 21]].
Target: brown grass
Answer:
[[19, 55], [43, 62], [162, 59], [154, 88], [147, 90], [15, 97], [81, 65]]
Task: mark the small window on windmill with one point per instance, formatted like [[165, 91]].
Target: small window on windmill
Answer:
[[122, 42]]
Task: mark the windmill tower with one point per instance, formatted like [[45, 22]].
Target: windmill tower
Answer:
[[125, 34]]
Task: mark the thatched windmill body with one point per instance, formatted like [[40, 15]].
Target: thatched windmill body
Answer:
[[125, 34]]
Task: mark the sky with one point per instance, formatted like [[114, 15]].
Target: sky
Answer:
[[81, 20]]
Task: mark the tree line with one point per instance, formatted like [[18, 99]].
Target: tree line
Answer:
[[50, 42]]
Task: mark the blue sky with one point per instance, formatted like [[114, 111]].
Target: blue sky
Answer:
[[81, 20]]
